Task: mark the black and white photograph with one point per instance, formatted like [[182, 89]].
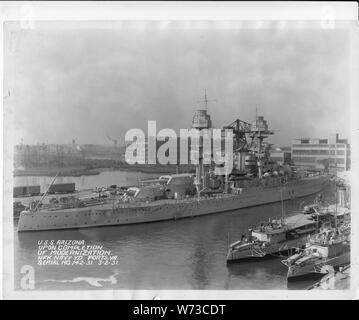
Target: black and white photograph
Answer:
[[179, 157]]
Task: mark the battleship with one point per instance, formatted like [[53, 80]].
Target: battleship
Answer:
[[170, 197]]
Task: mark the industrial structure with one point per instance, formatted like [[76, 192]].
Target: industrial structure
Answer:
[[282, 155], [38, 155], [330, 154], [250, 152], [62, 155]]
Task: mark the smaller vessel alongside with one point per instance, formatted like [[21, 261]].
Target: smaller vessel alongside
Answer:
[[330, 247], [336, 214], [331, 215], [272, 238], [275, 237]]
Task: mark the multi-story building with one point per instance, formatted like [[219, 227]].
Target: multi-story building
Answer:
[[332, 153], [281, 155]]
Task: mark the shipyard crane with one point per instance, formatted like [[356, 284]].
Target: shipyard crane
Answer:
[[248, 141], [241, 130], [241, 141]]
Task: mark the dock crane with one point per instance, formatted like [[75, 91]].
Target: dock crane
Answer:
[[248, 142], [241, 131]]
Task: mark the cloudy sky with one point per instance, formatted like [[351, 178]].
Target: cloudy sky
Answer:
[[84, 81]]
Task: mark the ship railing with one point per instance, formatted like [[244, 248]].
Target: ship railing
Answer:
[[320, 267], [73, 206], [183, 200], [144, 203], [257, 252], [285, 262]]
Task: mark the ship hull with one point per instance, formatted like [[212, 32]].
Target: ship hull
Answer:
[[311, 270], [283, 248], [108, 214]]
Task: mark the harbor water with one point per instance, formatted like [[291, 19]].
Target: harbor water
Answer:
[[183, 254]]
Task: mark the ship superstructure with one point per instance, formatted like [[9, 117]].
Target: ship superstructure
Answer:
[[201, 122]]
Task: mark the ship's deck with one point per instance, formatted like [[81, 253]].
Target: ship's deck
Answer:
[[299, 220], [292, 222], [111, 203]]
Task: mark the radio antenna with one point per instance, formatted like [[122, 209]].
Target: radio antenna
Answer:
[[206, 100]]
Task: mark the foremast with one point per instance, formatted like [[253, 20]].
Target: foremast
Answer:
[[202, 123]]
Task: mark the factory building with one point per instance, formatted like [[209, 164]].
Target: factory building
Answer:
[[282, 155], [332, 153]]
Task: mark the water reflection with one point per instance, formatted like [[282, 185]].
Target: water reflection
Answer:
[[269, 273]]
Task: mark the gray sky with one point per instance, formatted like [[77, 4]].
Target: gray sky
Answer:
[[83, 81]]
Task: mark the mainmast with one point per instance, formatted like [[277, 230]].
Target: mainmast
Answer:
[[259, 131]]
